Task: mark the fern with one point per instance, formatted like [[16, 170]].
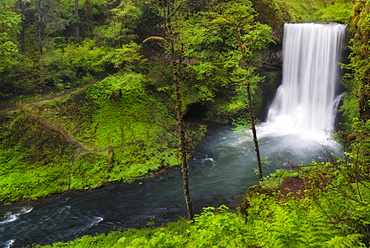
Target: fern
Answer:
[[352, 240]]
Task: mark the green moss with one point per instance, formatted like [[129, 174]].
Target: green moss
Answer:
[[111, 131]]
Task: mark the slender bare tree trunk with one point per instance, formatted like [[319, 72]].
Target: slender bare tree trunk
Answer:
[[254, 131], [77, 21], [168, 10], [176, 59], [244, 64], [176, 64], [40, 34], [21, 35], [182, 149]]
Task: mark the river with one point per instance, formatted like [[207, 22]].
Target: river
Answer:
[[222, 169]]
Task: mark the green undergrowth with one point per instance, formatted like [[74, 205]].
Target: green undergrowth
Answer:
[[111, 131], [331, 214], [31, 157], [314, 10], [300, 11], [277, 12]]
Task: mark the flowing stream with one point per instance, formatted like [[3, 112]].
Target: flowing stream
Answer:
[[222, 168]]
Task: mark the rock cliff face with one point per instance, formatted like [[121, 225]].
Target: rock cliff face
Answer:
[[273, 14], [269, 14], [273, 58]]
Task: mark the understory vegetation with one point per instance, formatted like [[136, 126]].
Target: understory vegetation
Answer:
[[80, 141], [85, 101]]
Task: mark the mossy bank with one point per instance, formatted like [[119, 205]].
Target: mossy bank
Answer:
[[110, 131]]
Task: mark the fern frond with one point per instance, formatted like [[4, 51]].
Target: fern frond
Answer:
[[352, 240]]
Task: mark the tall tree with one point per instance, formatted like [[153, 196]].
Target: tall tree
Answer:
[[248, 37], [169, 10], [121, 23], [47, 13], [77, 16], [22, 31]]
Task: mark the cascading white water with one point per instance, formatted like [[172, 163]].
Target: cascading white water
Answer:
[[306, 99]]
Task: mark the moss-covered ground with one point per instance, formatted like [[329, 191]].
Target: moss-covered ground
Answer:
[[110, 131]]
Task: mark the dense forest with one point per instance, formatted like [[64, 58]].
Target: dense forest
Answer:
[[93, 92]]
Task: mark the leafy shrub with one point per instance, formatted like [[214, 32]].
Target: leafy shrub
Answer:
[[75, 63]]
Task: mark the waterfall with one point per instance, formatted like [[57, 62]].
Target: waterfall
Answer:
[[305, 101]]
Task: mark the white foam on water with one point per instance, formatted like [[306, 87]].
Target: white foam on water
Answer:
[[93, 222], [26, 210], [9, 243], [9, 217]]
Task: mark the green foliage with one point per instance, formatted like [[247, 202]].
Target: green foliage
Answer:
[[350, 106], [272, 182], [215, 227], [100, 241], [74, 63], [29, 161], [276, 12], [121, 128], [271, 13], [300, 11], [9, 30], [237, 19], [215, 42], [269, 220], [121, 24], [340, 189], [126, 56], [360, 143], [47, 22], [338, 11], [360, 57]]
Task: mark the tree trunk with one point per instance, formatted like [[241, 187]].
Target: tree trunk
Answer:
[[242, 49], [176, 63], [254, 131], [182, 149], [77, 20], [40, 33], [21, 35], [168, 10], [88, 17]]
